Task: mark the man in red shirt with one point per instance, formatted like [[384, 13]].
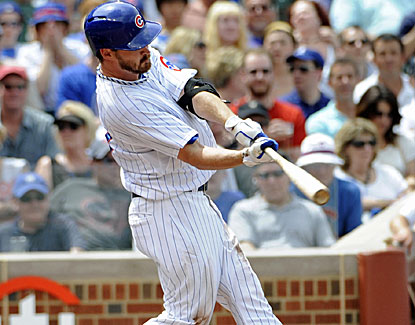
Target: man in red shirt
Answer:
[[287, 120]]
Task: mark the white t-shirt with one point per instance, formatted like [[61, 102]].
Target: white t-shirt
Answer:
[[397, 155], [388, 185], [405, 96]]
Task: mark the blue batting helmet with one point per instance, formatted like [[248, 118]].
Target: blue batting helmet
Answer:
[[119, 26]]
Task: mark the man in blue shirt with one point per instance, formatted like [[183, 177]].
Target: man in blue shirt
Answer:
[[344, 209], [36, 228], [306, 66]]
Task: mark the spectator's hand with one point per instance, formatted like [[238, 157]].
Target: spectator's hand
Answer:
[[255, 154], [280, 130], [245, 131]]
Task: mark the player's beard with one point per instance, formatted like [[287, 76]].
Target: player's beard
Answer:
[[135, 67]]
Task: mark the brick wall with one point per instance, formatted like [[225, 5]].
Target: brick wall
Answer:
[[300, 296]]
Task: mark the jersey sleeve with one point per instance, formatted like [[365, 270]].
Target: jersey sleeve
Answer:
[[170, 77]]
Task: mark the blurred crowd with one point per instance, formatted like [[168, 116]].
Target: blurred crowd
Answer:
[[332, 81]]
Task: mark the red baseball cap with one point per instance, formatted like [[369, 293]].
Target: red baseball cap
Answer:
[[6, 70]]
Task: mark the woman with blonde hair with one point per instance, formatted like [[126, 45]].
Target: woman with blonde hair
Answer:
[[225, 26], [380, 185], [188, 42], [76, 129]]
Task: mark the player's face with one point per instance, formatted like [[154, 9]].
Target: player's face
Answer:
[[134, 61]]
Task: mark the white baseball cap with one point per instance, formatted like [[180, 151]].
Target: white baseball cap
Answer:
[[318, 148]]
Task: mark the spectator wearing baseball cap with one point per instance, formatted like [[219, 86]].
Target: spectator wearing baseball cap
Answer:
[[76, 126], [98, 204], [51, 52], [36, 228], [29, 131], [11, 23], [306, 66], [344, 209]]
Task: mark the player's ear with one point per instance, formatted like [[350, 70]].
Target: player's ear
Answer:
[[107, 53]]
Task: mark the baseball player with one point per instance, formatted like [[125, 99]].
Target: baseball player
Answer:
[[155, 115]]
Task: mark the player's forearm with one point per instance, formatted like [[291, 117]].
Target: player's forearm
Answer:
[[203, 157], [211, 107]]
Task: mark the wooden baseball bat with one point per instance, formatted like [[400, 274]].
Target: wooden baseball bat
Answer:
[[306, 183]]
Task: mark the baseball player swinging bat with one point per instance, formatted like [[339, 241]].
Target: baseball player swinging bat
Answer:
[[306, 183]]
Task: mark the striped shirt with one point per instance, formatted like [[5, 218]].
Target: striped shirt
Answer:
[[148, 128]]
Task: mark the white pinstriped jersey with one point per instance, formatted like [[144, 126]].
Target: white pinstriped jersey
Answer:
[[148, 129]]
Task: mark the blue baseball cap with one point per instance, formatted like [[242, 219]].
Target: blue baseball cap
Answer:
[[305, 54], [29, 182], [49, 12], [9, 7]]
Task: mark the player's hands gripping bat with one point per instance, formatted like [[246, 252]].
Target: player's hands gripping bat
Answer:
[[255, 154]]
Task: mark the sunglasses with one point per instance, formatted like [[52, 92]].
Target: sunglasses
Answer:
[[200, 45], [18, 87], [255, 71], [9, 23], [301, 68], [67, 125], [32, 197], [361, 144], [362, 41], [276, 173], [255, 8], [381, 114]]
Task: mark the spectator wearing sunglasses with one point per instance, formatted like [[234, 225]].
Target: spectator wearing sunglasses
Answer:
[[380, 185], [37, 228], [279, 219], [11, 22], [329, 120], [306, 66], [258, 14], [29, 131], [76, 126], [188, 42], [286, 120], [99, 204], [354, 43], [380, 106]]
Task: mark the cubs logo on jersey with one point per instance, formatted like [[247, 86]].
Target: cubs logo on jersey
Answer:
[[168, 64]]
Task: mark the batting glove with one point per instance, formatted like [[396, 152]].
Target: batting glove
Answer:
[[245, 131], [255, 154]]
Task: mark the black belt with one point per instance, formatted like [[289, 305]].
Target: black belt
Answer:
[[203, 188]]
